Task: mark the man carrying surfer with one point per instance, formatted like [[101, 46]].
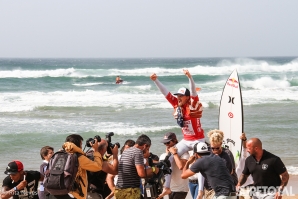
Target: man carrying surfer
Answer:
[[187, 111]]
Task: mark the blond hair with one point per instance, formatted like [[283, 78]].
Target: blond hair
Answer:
[[215, 136]]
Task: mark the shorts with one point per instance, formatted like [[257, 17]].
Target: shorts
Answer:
[[127, 193], [186, 145], [178, 195]]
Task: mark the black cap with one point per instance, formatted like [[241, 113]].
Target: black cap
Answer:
[[14, 167], [168, 137]]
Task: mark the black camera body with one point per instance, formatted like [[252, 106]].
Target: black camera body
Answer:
[[154, 186], [92, 140], [109, 141]]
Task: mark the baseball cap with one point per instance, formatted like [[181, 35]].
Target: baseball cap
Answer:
[[14, 167], [183, 91], [168, 137], [201, 147]]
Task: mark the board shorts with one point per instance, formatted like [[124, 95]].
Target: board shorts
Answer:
[[128, 193], [186, 145]]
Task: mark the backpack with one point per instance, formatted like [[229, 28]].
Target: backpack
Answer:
[[60, 176]]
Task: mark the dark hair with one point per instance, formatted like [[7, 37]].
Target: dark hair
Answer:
[[44, 151], [175, 140], [143, 139], [74, 138], [129, 143]]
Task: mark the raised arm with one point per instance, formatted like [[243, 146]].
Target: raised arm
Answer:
[[180, 162], [192, 85], [186, 172], [159, 85]]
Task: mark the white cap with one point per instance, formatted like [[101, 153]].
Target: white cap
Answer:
[[200, 147]]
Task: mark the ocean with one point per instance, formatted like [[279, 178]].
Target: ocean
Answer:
[[44, 100]]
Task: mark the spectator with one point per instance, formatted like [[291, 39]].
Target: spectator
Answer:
[[131, 169], [46, 153], [97, 187], [19, 183], [213, 168], [266, 169], [112, 179], [73, 144]]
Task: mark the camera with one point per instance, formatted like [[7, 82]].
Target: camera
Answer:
[[109, 140], [92, 140], [154, 185]]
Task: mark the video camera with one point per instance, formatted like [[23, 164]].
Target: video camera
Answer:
[[154, 185], [110, 145]]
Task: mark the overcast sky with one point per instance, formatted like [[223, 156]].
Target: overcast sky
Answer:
[[148, 28]]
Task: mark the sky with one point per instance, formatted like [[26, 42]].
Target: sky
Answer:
[[148, 28]]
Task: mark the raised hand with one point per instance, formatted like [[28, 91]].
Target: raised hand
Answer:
[[153, 77]]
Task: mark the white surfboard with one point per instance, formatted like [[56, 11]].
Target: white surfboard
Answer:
[[231, 115]]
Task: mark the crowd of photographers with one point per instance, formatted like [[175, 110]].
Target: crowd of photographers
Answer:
[[135, 173], [103, 174]]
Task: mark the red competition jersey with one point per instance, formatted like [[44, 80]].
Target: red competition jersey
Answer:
[[192, 129]]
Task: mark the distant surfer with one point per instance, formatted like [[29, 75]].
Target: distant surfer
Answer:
[[118, 80], [187, 112]]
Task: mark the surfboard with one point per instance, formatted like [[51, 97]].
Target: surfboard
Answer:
[[231, 115]]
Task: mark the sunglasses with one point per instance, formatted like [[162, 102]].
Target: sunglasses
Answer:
[[215, 148], [167, 142]]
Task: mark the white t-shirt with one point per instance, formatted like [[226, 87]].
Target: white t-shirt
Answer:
[[177, 183]]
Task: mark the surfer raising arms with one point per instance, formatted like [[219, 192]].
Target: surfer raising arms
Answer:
[[187, 112]]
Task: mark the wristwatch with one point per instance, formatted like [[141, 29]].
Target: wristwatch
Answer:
[[15, 188]]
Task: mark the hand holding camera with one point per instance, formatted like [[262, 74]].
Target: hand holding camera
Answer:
[[111, 146]]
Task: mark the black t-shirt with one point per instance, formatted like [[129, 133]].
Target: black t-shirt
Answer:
[[227, 160], [234, 174], [229, 166], [267, 171], [215, 170], [226, 150], [30, 191]]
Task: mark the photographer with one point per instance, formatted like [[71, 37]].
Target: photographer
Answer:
[[73, 144], [97, 187], [132, 169], [111, 179]]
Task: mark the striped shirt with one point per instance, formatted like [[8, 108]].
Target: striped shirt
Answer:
[[127, 173]]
